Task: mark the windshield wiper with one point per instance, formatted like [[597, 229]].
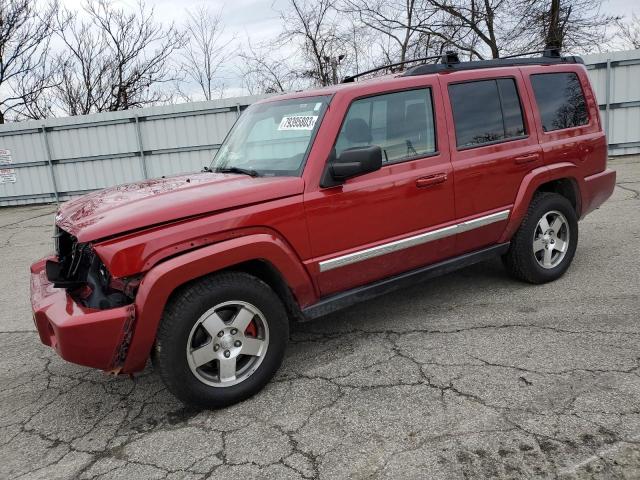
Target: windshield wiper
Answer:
[[244, 171]]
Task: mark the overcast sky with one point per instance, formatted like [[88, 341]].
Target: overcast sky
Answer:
[[261, 19], [258, 20]]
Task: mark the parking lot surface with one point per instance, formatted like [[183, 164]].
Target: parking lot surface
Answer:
[[472, 375]]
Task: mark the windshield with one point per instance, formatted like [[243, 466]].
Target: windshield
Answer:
[[272, 138]]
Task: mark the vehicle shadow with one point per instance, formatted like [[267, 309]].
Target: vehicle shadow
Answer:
[[440, 294]]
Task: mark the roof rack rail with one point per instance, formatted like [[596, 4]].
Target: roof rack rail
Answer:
[[550, 56], [547, 52], [351, 78], [449, 60]]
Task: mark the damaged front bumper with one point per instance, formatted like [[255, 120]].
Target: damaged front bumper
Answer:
[[85, 336]]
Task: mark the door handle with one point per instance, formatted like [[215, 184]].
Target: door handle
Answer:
[[431, 180], [529, 157]]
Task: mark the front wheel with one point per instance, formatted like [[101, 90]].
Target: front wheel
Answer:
[[221, 339], [543, 247]]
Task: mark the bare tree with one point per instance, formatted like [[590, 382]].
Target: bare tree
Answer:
[[555, 26], [263, 70], [206, 51], [629, 31], [327, 42], [26, 28], [476, 25], [85, 85], [36, 88], [114, 60], [363, 46], [315, 27], [399, 23], [573, 25], [496, 27]]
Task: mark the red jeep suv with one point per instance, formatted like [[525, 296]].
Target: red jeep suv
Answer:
[[317, 200]]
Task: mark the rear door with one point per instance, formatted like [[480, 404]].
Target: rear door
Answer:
[[494, 145], [380, 224]]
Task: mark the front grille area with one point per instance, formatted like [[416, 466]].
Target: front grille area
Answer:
[[81, 272]]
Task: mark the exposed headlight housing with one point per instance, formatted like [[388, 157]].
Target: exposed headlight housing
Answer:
[[81, 272]]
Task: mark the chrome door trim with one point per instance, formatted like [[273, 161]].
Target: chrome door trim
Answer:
[[409, 242], [482, 221]]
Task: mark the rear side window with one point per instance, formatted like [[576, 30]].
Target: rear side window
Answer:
[[486, 111], [400, 123], [560, 100]]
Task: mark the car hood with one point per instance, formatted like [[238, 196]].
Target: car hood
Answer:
[[132, 206]]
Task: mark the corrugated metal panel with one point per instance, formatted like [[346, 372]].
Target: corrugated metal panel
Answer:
[[620, 105], [76, 176], [173, 163], [92, 141], [30, 180], [95, 151]]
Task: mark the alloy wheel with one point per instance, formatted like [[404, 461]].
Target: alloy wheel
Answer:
[[227, 343], [551, 239]]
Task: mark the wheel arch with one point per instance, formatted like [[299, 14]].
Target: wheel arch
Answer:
[[561, 178], [264, 270], [264, 256], [567, 187]]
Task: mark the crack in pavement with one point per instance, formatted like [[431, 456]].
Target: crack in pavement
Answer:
[[480, 378], [636, 193]]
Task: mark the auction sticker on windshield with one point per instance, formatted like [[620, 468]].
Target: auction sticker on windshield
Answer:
[[298, 122]]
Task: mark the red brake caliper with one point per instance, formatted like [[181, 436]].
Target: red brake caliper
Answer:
[[252, 329]]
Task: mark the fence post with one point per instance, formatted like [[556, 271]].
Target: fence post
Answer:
[[47, 149], [607, 97], [143, 161]]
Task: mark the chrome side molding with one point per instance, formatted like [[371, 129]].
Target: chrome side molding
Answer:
[[409, 242]]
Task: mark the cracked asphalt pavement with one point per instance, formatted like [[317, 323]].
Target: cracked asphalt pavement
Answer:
[[472, 375]]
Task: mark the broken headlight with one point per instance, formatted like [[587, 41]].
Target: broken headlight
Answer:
[[81, 272]]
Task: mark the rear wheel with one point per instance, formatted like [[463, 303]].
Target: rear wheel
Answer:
[[543, 247], [221, 339]]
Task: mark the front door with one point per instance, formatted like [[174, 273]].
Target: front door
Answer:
[[391, 220]]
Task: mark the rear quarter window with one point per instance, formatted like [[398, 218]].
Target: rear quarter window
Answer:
[[560, 100]]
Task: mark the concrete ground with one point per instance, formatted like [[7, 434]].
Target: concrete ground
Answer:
[[472, 375]]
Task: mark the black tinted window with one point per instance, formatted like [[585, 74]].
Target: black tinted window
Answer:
[[486, 111], [512, 114], [560, 100], [400, 123]]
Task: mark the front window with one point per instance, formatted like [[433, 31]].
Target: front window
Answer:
[[400, 123], [272, 138]]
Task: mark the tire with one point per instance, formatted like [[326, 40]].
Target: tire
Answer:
[[535, 256], [187, 339]]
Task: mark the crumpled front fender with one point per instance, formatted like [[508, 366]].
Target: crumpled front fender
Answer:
[[162, 280]]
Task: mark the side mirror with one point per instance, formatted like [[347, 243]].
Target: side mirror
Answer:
[[351, 163]]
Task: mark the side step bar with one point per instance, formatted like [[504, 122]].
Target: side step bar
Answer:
[[341, 300]]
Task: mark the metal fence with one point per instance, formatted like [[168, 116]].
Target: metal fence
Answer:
[[615, 77], [60, 158]]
